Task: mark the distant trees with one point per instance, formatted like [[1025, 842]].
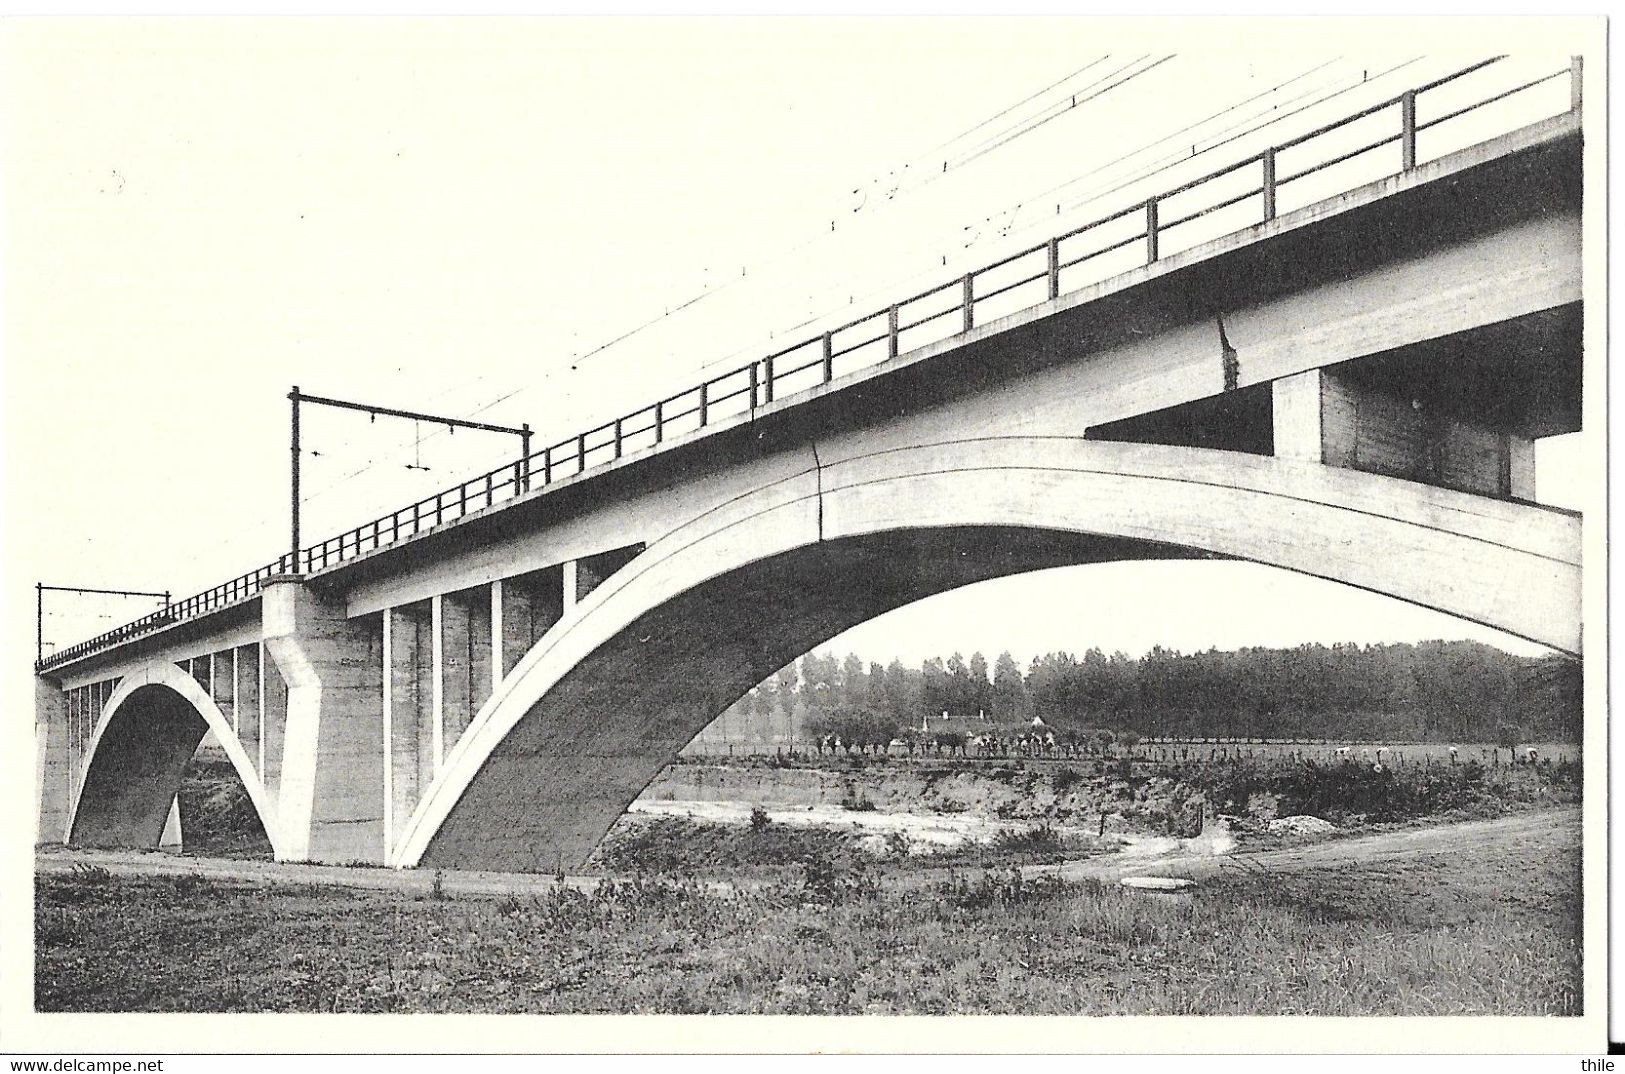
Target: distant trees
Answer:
[[1442, 691], [1009, 689], [857, 726]]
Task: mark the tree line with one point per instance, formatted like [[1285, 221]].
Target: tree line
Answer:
[[1458, 691]]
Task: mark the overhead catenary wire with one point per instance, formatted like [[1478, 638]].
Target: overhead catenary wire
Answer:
[[1004, 137], [1047, 195], [1023, 126], [1000, 139], [1011, 108], [709, 292]]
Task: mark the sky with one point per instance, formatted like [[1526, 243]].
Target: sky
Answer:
[[460, 216]]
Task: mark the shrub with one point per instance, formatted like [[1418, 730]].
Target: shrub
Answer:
[[826, 880], [996, 889], [857, 801], [1041, 840]]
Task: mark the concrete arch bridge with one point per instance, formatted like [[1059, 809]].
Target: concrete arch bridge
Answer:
[[1351, 390]]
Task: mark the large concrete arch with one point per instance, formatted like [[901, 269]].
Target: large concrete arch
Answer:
[[608, 696], [150, 728]]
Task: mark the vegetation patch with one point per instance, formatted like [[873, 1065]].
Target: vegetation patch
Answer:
[[696, 848], [1495, 931]]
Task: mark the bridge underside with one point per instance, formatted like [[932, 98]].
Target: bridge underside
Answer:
[[572, 765]]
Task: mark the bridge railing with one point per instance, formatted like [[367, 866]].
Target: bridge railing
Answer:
[[1254, 189]]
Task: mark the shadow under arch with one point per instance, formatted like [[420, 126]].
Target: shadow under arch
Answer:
[[149, 730], [603, 701]]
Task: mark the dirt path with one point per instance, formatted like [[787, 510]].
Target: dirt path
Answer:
[[1544, 829]]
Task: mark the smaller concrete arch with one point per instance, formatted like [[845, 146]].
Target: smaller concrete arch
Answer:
[[149, 729]]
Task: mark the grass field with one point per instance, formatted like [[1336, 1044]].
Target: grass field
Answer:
[[1491, 931]]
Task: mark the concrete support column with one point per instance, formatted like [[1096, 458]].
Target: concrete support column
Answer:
[[1521, 468], [1329, 417], [330, 803], [1297, 416], [53, 769], [571, 584]]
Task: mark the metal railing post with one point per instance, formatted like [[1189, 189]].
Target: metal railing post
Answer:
[[581, 453], [524, 456], [891, 332], [967, 300], [767, 380], [1054, 254], [755, 386], [1576, 76], [829, 357], [618, 437], [1407, 133], [660, 421], [705, 403], [1151, 231], [1268, 160]]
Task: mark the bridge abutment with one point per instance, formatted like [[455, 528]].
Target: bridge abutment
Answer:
[[53, 767]]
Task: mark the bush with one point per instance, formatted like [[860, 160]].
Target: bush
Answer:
[[759, 818], [857, 801], [1041, 840], [996, 889], [188, 884], [826, 880]]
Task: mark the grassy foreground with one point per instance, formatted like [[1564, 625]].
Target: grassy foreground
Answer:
[[1495, 931]]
